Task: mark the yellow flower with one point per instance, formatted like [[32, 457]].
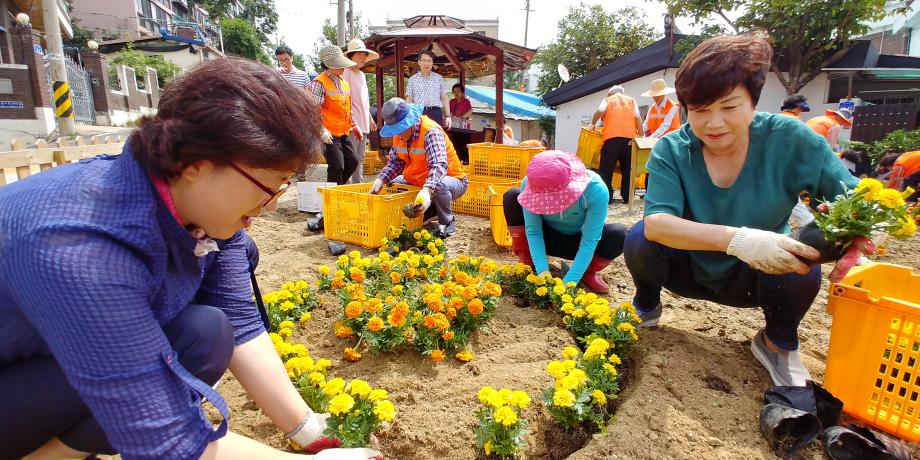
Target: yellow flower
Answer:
[[485, 393], [611, 369], [559, 289], [322, 365], [597, 349], [305, 317], [506, 416], [316, 378], [464, 356], [375, 324], [599, 396], [487, 447], [871, 186], [907, 228], [569, 352], [377, 394], [579, 313], [286, 324], [541, 291], [890, 198], [556, 369], [354, 255], [286, 332], [563, 398], [352, 355], [569, 364], [614, 359], [334, 386], [578, 375], [341, 403], [287, 305], [358, 387], [520, 399], [626, 327], [384, 411]]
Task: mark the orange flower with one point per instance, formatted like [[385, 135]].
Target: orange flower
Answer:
[[409, 334], [448, 335], [352, 355], [456, 302], [338, 283], [395, 277], [437, 355], [373, 306], [470, 292], [375, 324], [451, 312], [401, 308], [430, 322], [396, 320], [353, 309], [475, 307], [342, 331], [492, 289]]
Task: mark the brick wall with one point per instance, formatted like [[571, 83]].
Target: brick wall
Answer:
[[128, 98], [24, 40], [22, 92]]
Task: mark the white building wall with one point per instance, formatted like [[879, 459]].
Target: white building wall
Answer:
[[572, 115]]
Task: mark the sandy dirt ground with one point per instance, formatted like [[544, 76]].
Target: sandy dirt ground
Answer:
[[695, 390]]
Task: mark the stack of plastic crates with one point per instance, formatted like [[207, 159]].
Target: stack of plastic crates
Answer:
[[352, 215]]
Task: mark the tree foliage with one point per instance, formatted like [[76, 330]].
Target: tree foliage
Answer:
[[261, 15], [807, 35], [242, 39], [590, 37], [138, 61]]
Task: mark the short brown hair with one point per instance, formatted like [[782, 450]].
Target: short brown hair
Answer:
[[718, 65], [229, 111]]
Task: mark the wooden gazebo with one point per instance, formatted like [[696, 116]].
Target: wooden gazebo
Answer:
[[460, 51]]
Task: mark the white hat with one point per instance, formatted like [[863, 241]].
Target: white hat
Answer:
[[659, 88], [356, 45]]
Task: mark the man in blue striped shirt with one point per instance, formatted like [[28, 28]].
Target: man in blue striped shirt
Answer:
[[285, 58]]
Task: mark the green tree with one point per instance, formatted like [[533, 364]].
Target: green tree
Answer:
[[261, 14], [807, 35], [389, 87], [242, 39], [590, 37], [328, 35], [138, 61]]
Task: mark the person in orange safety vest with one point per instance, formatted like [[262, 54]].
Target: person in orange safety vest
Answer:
[[423, 156], [622, 124], [794, 105], [664, 115], [830, 124]]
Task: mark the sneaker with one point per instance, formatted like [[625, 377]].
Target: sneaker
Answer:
[[785, 367], [649, 318]]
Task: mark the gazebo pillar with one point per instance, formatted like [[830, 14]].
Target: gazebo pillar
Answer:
[[499, 96]]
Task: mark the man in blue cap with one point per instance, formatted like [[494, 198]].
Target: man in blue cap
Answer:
[[423, 156]]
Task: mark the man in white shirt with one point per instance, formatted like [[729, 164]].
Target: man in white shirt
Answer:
[[427, 88], [360, 100], [285, 58]]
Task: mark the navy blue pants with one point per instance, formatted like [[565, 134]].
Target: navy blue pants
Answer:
[[37, 403], [784, 298]]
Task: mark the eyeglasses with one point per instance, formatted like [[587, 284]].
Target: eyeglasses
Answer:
[[273, 194]]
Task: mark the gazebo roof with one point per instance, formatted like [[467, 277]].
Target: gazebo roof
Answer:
[[452, 42]]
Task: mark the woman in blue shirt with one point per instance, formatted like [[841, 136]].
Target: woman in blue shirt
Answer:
[[720, 194], [125, 280], [562, 212]]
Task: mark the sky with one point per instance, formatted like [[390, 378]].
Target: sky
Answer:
[[300, 21]]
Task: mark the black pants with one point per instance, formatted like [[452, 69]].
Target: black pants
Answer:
[[38, 404], [341, 159], [435, 113], [559, 244], [616, 150]]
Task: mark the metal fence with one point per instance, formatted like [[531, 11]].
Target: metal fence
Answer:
[[81, 90], [873, 122]]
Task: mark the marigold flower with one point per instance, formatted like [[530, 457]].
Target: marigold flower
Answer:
[[305, 317], [351, 354], [341, 404], [556, 369], [377, 394], [570, 352], [384, 411], [449, 335], [353, 309], [375, 324], [506, 416], [542, 291], [342, 331], [358, 387], [520, 399], [599, 397], [286, 306], [475, 307], [334, 386], [464, 356], [563, 398], [437, 355], [317, 378]]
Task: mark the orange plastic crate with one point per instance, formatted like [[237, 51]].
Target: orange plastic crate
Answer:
[[352, 215], [590, 142], [498, 160], [477, 198], [497, 216], [873, 361]]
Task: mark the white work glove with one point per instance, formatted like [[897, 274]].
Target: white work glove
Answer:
[[769, 252], [349, 454], [425, 197], [327, 136], [310, 436], [376, 187]]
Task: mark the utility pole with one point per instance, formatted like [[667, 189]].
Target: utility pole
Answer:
[[351, 19], [63, 105], [340, 32], [527, 11]]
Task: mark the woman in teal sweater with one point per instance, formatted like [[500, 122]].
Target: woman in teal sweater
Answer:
[[720, 194], [562, 212]]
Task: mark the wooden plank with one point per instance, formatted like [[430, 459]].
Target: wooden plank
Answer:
[[23, 171], [24, 158], [17, 144]]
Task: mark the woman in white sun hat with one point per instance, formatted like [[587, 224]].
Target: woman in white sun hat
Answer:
[[360, 100], [664, 114]]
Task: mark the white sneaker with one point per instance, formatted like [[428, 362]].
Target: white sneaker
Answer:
[[785, 367]]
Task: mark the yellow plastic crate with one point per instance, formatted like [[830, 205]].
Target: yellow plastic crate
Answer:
[[352, 215], [475, 201], [873, 361], [498, 160], [589, 147], [372, 164], [497, 216]]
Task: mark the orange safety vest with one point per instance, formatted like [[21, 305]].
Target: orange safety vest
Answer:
[[821, 125], [619, 118], [792, 114], [336, 107], [656, 117], [416, 159], [910, 162]]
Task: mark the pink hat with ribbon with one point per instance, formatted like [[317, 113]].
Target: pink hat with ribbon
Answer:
[[555, 181]]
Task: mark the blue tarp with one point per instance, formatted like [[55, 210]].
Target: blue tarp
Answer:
[[515, 102]]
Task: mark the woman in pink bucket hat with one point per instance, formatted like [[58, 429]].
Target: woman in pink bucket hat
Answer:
[[562, 212]]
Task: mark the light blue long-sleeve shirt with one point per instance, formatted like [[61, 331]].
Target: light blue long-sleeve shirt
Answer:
[[586, 216]]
